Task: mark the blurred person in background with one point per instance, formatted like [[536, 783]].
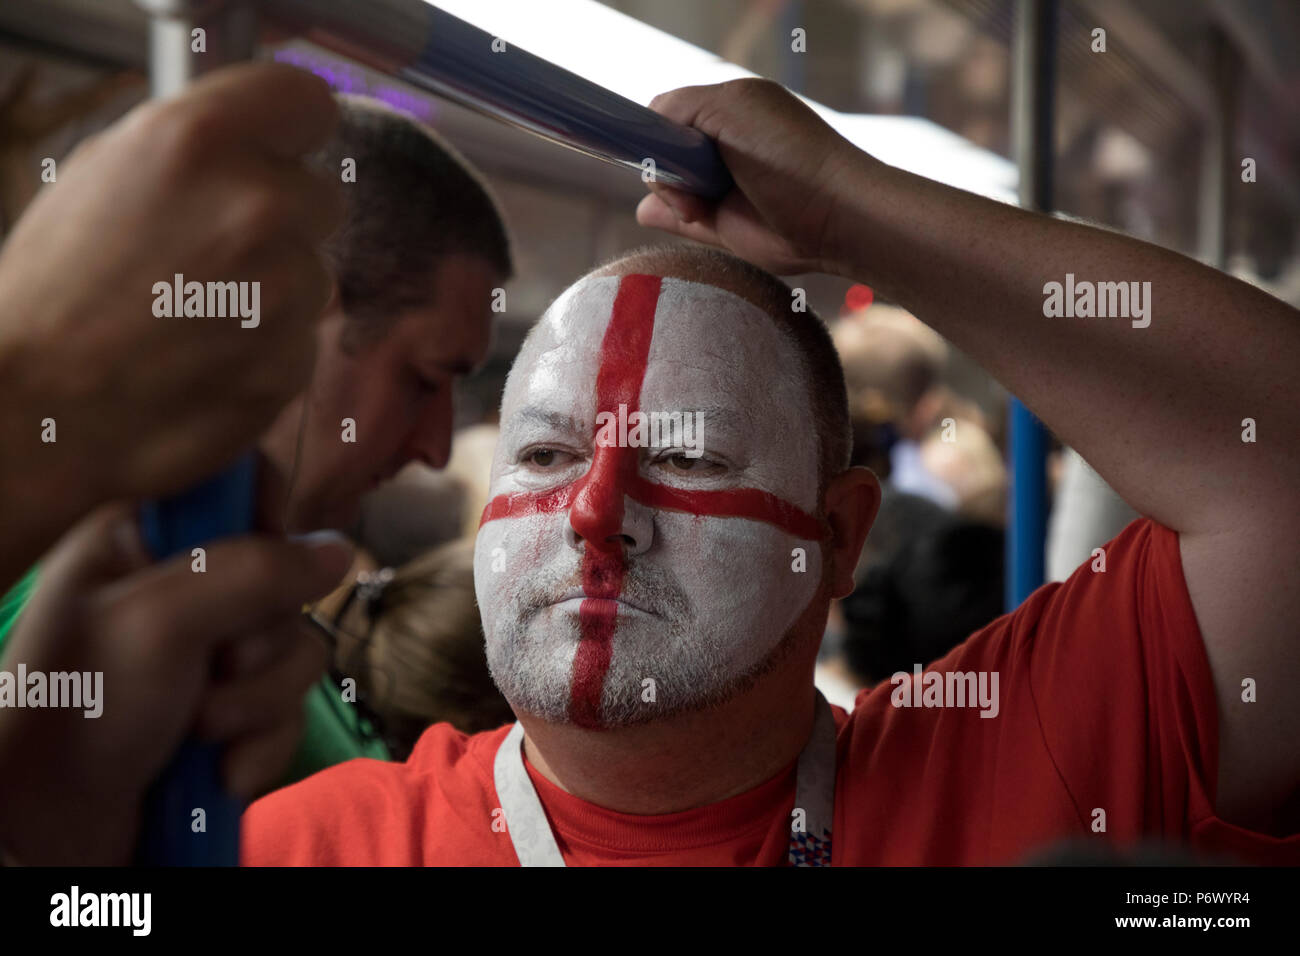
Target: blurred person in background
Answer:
[[917, 604], [405, 627], [422, 508], [894, 368], [892, 365], [419, 509], [892, 362], [416, 261], [412, 639], [938, 466], [961, 455], [422, 247], [927, 579]]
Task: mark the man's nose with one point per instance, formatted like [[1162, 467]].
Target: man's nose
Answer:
[[430, 439], [602, 515]]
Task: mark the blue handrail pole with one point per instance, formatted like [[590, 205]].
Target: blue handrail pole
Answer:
[[1028, 513], [1033, 96]]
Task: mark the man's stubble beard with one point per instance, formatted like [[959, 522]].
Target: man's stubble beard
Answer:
[[691, 673]]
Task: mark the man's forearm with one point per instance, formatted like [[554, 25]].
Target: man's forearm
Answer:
[[1158, 409]]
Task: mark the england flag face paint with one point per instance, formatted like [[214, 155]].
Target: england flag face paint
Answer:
[[619, 583]]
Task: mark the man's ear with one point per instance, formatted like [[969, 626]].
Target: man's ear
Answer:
[[333, 330], [852, 500]]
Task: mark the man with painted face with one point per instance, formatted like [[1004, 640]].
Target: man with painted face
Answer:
[[651, 604], [652, 614], [636, 594], [667, 567]]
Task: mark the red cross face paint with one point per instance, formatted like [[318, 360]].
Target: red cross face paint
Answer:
[[625, 581]]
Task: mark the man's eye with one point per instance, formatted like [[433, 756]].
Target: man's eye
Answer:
[[546, 457], [681, 462]]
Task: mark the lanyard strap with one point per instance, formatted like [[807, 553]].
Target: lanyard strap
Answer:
[[810, 823]]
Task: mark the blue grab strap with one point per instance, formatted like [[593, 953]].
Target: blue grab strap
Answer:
[[217, 508]]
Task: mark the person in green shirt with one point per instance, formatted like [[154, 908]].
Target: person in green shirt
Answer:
[[12, 603]]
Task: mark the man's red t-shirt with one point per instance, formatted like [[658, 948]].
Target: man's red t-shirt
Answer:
[[1105, 704]]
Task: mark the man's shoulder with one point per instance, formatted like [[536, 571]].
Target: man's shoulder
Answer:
[[370, 811], [1078, 678], [442, 745]]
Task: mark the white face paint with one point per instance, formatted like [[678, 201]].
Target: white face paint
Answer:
[[705, 599]]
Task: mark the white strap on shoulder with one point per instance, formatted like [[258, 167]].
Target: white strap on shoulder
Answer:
[[525, 819]]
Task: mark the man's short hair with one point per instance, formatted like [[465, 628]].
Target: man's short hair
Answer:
[[415, 200], [823, 375]]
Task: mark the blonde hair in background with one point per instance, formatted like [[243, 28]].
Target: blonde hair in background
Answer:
[[424, 654]]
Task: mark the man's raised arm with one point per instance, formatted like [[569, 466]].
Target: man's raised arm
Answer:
[[1155, 397]]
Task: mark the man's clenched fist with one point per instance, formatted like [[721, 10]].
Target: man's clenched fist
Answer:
[[210, 185]]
